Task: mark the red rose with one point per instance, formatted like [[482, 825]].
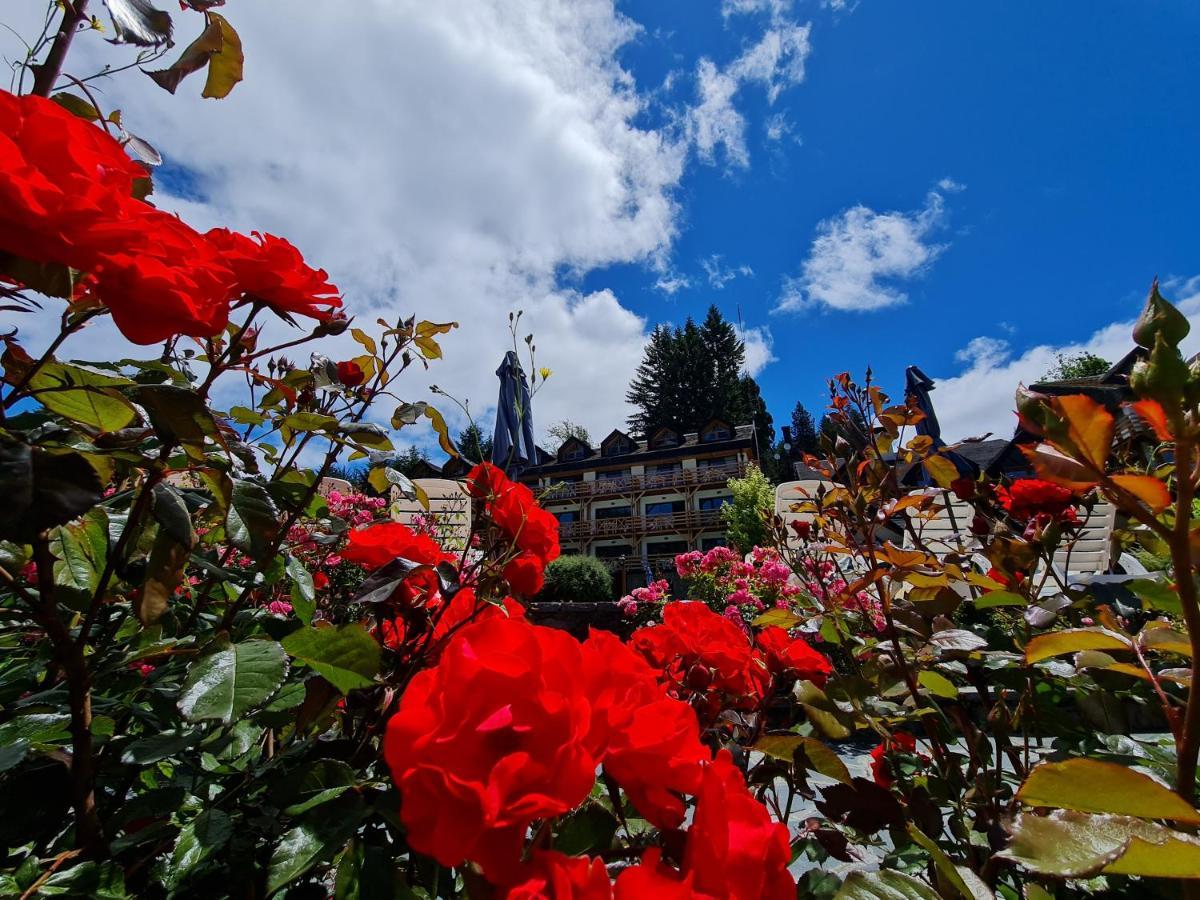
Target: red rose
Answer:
[[693, 635], [524, 574], [350, 373], [793, 657], [649, 742], [164, 281], [320, 581], [802, 529], [881, 769], [653, 878], [60, 175], [735, 849], [1030, 498], [465, 608], [270, 270], [551, 875], [515, 511], [378, 544], [488, 740], [963, 488]]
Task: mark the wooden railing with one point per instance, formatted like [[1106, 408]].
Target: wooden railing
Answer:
[[629, 526], [631, 484]]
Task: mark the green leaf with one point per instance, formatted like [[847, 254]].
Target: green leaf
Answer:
[[36, 728], [999, 598], [589, 830], [200, 839], [1057, 643], [784, 618], [304, 594], [1069, 844], [171, 513], [366, 872], [306, 421], [177, 415], [159, 746], [1157, 594], [80, 550], [306, 844], [884, 885], [99, 881], [1089, 785], [814, 754], [347, 656], [229, 682], [13, 753], [252, 524], [937, 684], [246, 416], [946, 870], [84, 396]]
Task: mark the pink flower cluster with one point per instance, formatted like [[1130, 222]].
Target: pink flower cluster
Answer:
[[740, 588], [822, 580], [652, 595]]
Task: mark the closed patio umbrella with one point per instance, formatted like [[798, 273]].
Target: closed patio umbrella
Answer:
[[917, 386], [512, 446]]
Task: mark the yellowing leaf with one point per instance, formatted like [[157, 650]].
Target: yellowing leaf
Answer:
[[365, 339], [1057, 643], [1089, 427], [1150, 412], [225, 65], [1147, 489], [443, 433], [1089, 785], [941, 470]]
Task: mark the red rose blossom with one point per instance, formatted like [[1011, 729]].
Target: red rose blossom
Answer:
[[60, 175], [270, 270], [551, 875], [793, 657], [350, 373], [515, 511], [704, 658], [378, 544], [650, 743], [488, 740], [1030, 498], [881, 769], [653, 878]]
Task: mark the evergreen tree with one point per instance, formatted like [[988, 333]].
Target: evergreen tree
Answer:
[[804, 432], [750, 408], [474, 445], [646, 391], [725, 356]]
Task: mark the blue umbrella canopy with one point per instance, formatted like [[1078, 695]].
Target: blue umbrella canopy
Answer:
[[917, 387], [512, 445]]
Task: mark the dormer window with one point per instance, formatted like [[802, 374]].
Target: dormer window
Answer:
[[573, 450], [576, 453], [715, 431], [664, 438], [616, 444]]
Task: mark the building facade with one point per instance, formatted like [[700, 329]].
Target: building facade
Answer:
[[636, 503]]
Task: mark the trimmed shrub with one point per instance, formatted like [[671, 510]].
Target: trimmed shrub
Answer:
[[579, 579]]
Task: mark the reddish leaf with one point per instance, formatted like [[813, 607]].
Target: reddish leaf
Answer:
[[1150, 412], [1051, 465]]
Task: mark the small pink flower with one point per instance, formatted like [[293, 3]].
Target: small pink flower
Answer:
[[279, 608]]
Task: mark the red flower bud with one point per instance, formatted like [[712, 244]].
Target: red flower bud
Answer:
[[350, 373]]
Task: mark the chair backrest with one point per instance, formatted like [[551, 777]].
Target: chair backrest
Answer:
[[791, 492], [341, 485], [948, 529], [1092, 553], [449, 504]]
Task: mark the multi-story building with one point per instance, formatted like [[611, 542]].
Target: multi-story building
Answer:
[[636, 503]]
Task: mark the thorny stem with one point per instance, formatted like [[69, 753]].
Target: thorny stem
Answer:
[[46, 74]]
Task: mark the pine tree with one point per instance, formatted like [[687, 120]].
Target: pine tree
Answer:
[[473, 445], [804, 432], [751, 408], [647, 388], [725, 358]]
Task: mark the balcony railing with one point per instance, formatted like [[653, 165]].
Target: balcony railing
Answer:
[[639, 526], [632, 484]]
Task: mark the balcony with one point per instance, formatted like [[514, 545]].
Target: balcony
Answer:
[[641, 526], [710, 476]]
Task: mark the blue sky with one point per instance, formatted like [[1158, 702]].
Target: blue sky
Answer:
[[970, 187], [1074, 128]]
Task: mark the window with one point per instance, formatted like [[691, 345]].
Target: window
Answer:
[[709, 542], [717, 433], [717, 463], [667, 468], [715, 502], [576, 453], [667, 548], [614, 512], [613, 552], [617, 447], [665, 508], [567, 515], [666, 439], [610, 475]]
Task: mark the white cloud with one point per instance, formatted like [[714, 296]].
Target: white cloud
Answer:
[[776, 62], [777, 127], [858, 257], [979, 399], [759, 348], [449, 162], [671, 283], [718, 275]]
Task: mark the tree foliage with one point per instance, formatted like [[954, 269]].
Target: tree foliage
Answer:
[[580, 579], [694, 373], [746, 517], [1076, 365], [561, 432]]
